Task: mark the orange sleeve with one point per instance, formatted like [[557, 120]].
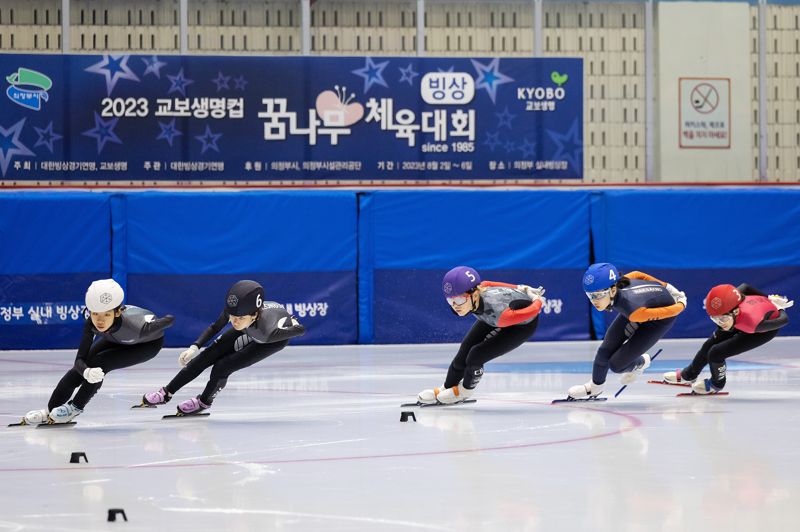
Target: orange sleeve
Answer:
[[512, 317], [643, 277], [660, 313], [497, 283]]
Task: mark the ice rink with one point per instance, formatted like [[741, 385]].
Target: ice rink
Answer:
[[310, 439]]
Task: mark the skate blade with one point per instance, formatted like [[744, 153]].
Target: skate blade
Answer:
[[171, 416], [56, 425], [685, 384], [425, 405], [572, 400], [22, 423], [142, 405], [693, 394]]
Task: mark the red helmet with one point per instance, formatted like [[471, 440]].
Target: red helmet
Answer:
[[722, 299]]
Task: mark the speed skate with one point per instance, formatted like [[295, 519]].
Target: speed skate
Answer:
[[425, 405], [182, 415], [582, 400]]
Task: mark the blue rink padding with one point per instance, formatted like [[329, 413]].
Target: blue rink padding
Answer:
[[185, 250], [696, 239], [52, 246], [408, 241]]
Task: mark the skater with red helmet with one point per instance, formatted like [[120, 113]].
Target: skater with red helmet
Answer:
[[507, 316], [259, 329], [746, 318]]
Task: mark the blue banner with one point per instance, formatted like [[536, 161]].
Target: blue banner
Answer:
[[166, 119]]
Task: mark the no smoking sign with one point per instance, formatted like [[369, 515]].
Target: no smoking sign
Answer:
[[704, 113]]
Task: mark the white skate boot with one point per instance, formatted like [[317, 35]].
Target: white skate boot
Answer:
[[34, 417], [630, 376], [585, 391], [428, 397], [453, 395], [675, 377], [704, 387], [64, 413]]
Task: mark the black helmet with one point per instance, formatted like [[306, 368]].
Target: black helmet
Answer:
[[244, 298]]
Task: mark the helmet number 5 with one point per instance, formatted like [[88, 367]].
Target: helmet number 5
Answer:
[[470, 275]]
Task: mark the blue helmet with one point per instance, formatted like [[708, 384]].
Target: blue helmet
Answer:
[[459, 280], [600, 276]]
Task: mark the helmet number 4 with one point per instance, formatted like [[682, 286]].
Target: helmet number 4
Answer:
[[611, 275]]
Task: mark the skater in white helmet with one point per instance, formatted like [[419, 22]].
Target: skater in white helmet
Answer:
[[259, 329], [507, 316], [115, 336]]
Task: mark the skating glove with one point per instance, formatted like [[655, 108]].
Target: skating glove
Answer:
[[781, 302], [188, 355], [677, 295], [93, 375], [533, 293], [288, 322]]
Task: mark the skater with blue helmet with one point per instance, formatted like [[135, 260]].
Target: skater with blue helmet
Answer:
[[647, 309], [506, 317]]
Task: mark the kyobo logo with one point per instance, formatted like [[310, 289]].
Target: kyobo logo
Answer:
[[28, 88]]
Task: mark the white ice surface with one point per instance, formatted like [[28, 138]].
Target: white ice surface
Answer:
[[310, 439]]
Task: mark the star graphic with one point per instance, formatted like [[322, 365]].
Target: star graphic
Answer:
[[221, 81], [372, 74], [448, 70], [527, 148], [492, 140], [510, 146], [46, 136], [408, 74], [179, 83], [569, 146], [103, 131], [153, 66], [168, 131], [114, 68], [504, 118], [10, 145], [239, 83], [490, 77], [209, 140]]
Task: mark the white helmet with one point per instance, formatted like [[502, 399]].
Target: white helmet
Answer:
[[104, 295]]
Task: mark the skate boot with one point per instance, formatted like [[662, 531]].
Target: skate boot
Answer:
[[161, 397], [192, 406], [630, 376], [64, 413], [585, 391], [453, 395], [704, 387], [675, 377], [428, 396], [34, 417]]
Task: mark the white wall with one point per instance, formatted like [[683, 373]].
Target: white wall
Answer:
[[699, 39]]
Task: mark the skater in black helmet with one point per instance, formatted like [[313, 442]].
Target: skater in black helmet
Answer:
[[115, 336], [259, 329]]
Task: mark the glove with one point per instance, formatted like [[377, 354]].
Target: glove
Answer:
[[533, 293], [781, 302], [93, 375], [680, 297], [287, 322], [187, 355]]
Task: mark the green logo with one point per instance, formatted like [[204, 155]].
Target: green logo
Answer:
[[558, 79], [28, 88]]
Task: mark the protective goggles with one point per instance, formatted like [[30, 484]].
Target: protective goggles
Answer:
[[458, 300], [722, 319], [600, 294]]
